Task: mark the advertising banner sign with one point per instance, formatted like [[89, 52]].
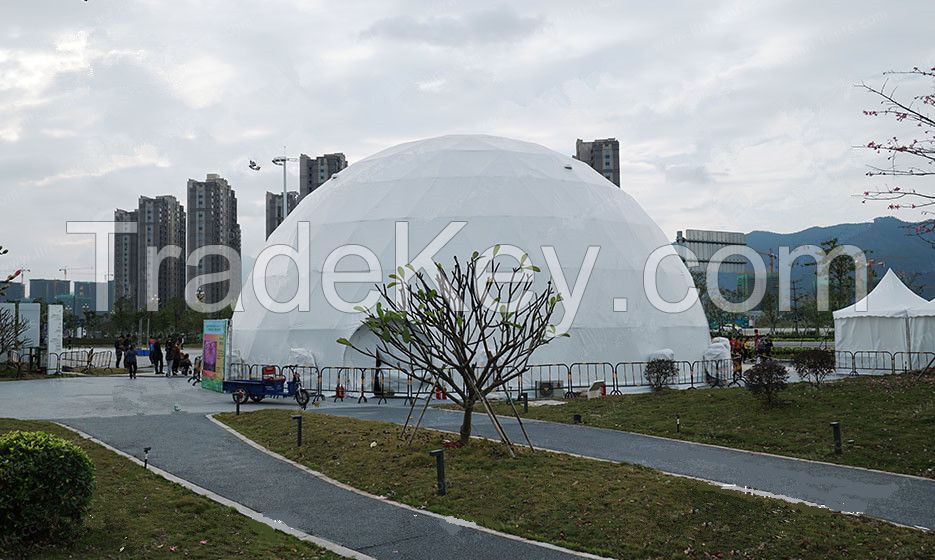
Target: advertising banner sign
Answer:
[[55, 319], [214, 354]]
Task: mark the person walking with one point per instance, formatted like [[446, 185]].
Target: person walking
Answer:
[[118, 348], [157, 357], [130, 361], [176, 358]]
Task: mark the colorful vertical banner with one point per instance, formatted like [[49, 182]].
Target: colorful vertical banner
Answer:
[[55, 316], [213, 357]]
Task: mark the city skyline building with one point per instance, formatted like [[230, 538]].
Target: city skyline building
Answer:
[[48, 290], [212, 221], [314, 171], [12, 291], [160, 223], [602, 154], [274, 209]]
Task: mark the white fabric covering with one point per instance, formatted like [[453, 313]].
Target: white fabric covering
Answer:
[[922, 327], [878, 322], [662, 354], [508, 192]]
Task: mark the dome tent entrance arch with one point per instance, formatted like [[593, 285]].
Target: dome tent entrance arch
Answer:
[[504, 192]]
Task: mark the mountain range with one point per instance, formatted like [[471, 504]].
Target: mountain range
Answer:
[[887, 240]]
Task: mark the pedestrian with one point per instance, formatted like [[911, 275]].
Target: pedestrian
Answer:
[[196, 371], [185, 365], [176, 358], [130, 361], [157, 357], [118, 348]]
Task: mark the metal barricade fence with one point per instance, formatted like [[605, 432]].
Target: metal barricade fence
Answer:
[[873, 362], [717, 373], [584, 374], [910, 361], [545, 378], [633, 374], [844, 360]]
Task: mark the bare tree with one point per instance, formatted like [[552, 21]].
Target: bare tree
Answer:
[[12, 331], [906, 158], [471, 332]]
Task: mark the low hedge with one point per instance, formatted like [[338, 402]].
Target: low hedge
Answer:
[[46, 485]]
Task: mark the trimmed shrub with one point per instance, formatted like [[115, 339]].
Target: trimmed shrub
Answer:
[[814, 365], [765, 379], [659, 373], [46, 484]]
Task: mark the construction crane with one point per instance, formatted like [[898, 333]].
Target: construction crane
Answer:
[[772, 260]]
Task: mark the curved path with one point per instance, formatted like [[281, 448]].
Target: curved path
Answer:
[[192, 447]]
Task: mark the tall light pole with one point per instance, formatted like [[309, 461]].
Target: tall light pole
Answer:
[[283, 161]]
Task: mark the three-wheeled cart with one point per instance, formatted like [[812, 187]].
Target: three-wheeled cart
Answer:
[[270, 383]]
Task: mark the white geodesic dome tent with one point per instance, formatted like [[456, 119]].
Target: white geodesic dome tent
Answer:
[[487, 190], [879, 322]]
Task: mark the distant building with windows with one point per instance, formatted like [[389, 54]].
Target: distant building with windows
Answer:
[[86, 294], [274, 209], [314, 171], [603, 155], [12, 291], [125, 259], [48, 290], [160, 223], [212, 220]]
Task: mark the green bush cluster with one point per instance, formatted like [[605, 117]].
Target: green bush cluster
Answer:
[[46, 484]]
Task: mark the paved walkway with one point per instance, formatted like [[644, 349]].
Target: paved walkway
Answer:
[[193, 448], [148, 412], [901, 499]]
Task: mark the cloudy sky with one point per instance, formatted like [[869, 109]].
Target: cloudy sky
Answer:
[[734, 115]]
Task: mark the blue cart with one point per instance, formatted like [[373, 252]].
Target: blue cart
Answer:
[[270, 383]]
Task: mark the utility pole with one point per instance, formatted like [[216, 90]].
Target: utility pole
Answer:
[[283, 161]]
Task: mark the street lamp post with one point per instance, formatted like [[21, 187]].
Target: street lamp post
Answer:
[[283, 161]]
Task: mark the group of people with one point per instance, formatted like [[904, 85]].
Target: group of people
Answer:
[[744, 348], [166, 358]]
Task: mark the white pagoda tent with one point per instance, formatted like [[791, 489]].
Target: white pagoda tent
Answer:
[[878, 322], [922, 327]]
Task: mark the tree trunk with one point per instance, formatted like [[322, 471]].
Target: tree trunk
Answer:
[[466, 423]]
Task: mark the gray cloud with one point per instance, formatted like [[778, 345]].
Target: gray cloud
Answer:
[[496, 25], [750, 102]]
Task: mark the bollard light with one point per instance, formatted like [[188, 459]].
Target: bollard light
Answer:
[[298, 433], [525, 402], [439, 455], [576, 418], [836, 432], [678, 424], [146, 457]]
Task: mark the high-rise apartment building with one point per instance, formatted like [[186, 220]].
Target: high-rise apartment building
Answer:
[[212, 220], [12, 291], [313, 171], [86, 294], [125, 258], [160, 223], [603, 155], [48, 290], [274, 209]]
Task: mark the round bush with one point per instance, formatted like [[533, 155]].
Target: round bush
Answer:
[[46, 484]]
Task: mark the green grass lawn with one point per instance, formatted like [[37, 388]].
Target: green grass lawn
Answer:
[[887, 422], [137, 514], [616, 510]]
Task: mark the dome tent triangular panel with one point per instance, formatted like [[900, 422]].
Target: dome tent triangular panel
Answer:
[[507, 192]]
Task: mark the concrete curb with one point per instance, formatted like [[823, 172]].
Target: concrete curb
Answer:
[[448, 519], [244, 510]]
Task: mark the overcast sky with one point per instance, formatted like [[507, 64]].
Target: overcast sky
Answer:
[[730, 115]]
